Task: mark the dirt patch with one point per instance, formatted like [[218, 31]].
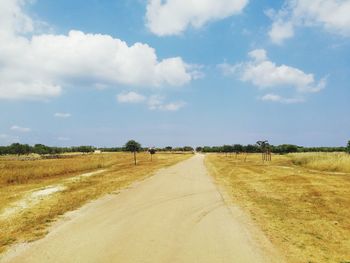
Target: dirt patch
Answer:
[[30, 200]]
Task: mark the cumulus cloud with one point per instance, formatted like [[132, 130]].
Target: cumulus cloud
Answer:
[[130, 97], [17, 128], [332, 15], [172, 17], [265, 74], [62, 115], [51, 62], [13, 19], [280, 31], [258, 55]]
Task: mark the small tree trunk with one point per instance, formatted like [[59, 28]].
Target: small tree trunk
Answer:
[[135, 158]]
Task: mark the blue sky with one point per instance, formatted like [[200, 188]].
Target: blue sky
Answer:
[[174, 72]]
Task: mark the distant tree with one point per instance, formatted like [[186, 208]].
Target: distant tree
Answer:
[[81, 149], [41, 149], [237, 148], [348, 147], [19, 149], [199, 149], [113, 149], [178, 149], [188, 149], [168, 148], [227, 149], [206, 149], [286, 148], [251, 148], [152, 151], [265, 150], [3, 150], [134, 147]]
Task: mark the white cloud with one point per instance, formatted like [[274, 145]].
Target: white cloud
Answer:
[[277, 98], [13, 19], [332, 15], [62, 115], [51, 62], [156, 102], [280, 31], [153, 102], [172, 17], [265, 74], [258, 54], [173, 106], [17, 128], [130, 97]]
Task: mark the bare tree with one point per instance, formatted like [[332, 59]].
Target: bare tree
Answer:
[[265, 150]]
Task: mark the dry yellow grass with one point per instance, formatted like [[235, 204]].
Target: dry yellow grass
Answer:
[[18, 172], [305, 213], [32, 223], [335, 162]]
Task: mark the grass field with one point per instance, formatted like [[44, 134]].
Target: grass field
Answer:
[[332, 162], [304, 212], [21, 172], [33, 193]]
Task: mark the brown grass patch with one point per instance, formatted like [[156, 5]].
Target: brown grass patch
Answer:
[[22, 171], [304, 213], [335, 162]]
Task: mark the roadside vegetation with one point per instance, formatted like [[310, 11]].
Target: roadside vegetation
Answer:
[[304, 212], [334, 162], [33, 193], [15, 171]]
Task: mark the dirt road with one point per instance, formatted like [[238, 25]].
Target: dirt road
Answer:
[[178, 215]]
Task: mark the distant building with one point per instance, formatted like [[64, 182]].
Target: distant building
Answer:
[[97, 151]]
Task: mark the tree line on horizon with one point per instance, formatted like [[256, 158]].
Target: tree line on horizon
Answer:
[[24, 149], [277, 149]]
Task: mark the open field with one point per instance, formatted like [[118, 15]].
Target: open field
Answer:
[[332, 162], [305, 213], [15, 171], [34, 193]]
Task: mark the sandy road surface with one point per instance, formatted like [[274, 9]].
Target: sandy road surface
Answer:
[[178, 215]]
